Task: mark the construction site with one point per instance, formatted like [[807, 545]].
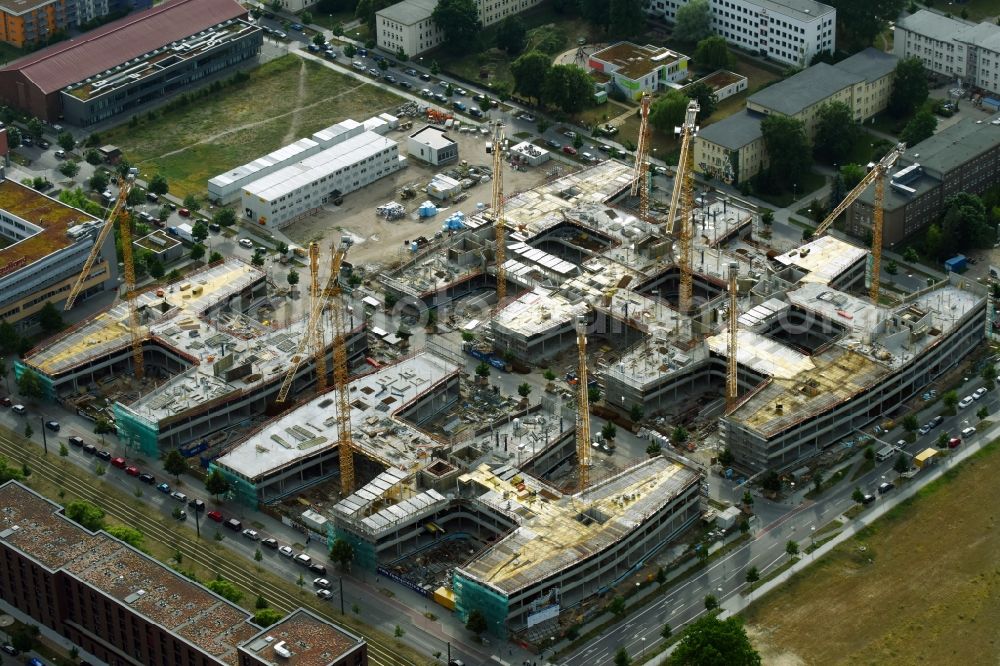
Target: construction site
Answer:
[[655, 314]]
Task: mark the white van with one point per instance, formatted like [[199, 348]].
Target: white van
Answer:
[[358, 65]]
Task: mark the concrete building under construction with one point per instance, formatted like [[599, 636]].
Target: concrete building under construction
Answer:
[[210, 366]]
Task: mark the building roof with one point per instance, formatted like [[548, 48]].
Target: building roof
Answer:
[[432, 137], [810, 86], [801, 10], [93, 52], [734, 132], [984, 35], [408, 12], [20, 7], [51, 218], [870, 64], [633, 61], [933, 25], [311, 641], [36, 527]]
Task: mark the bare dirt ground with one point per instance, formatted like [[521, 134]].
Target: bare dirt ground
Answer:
[[922, 586], [380, 242]]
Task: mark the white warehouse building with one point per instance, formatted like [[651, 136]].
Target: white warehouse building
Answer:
[[408, 26], [279, 198], [789, 31]]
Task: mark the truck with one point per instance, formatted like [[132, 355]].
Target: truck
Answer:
[[485, 356], [184, 232]]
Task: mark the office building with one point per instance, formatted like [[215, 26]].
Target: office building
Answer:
[[635, 69], [432, 145]]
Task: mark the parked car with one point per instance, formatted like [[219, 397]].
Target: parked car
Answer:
[[297, 27], [184, 212], [322, 582], [317, 569], [181, 514], [968, 432], [270, 543], [214, 228], [19, 409], [102, 454], [10, 649], [61, 154], [251, 534], [286, 551], [868, 498], [91, 450], [475, 113], [164, 488], [886, 487], [152, 198], [406, 85], [132, 470], [358, 65], [954, 442], [234, 524], [332, 55], [965, 402], [118, 462], [527, 117], [52, 425], [389, 78], [303, 559], [324, 594], [569, 150], [458, 106], [979, 393], [374, 72], [409, 71], [147, 478], [425, 77], [215, 515], [570, 133], [179, 496], [246, 243], [553, 144], [75, 441], [5, 401], [313, 47]]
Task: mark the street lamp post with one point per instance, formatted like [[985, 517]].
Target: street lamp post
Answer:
[[45, 439], [341, 581]]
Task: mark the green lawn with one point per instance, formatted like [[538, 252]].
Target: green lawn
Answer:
[[192, 144], [808, 183], [328, 21], [979, 10]]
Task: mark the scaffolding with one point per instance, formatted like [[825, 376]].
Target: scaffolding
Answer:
[[472, 595], [138, 433]]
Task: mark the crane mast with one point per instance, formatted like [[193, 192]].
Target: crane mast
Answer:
[[317, 332], [682, 197], [876, 176], [341, 381], [496, 205], [582, 406], [732, 384], [640, 174]]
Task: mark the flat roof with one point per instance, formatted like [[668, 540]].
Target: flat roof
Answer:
[[73, 60], [408, 12], [985, 35], [433, 137], [282, 155], [311, 641], [21, 7], [634, 61], [733, 132], [933, 25], [803, 10], [809, 87], [37, 528], [871, 64], [157, 241], [376, 399], [339, 156], [825, 258], [552, 534], [52, 218]]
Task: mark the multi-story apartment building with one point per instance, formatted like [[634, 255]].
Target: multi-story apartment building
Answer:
[[789, 31], [733, 148], [121, 607], [964, 157], [967, 52], [408, 26], [92, 10], [27, 22]]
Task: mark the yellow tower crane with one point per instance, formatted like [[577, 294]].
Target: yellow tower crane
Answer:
[[683, 194], [125, 233], [640, 174], [496, 205], [877, 176], [732, 384], [317, 332], [582, 406]]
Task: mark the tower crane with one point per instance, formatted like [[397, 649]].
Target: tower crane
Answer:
[[582, 406], [683, 194], [317, 332], [640, 173], [877, 176], [125, 232], [496, 205], [732, 384]]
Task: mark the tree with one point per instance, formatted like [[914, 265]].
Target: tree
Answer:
[[713, 52], [901, 464], [35, 128], [753, 575], [892, 268], [983, 413], [66, 141], [383, 65], [199, 231], [512, 35], [593, 394], [483, 369], [747, 499], [654, 449], [350, 50], [197, 251], [710, 640], [787, 148], [549, 375], [861, 21], [771, 482], [99, 181], [265, 617], [950, 400], [50, 319], [622, 658], [158, 185], [85, 514], [225, 589], [693, 22], [9, 473], [852, 175], [920, 127], [342, 553], [175, 464], [617, 606], [835, 132], [14, 134], [910, 254], [258, 257], [216, 484], [70, 168], [597, 12], [28, 431], [459, 19], [680, 434], [667, 112], [711, 602], [636, 412], [30, 384], [910, 423], [609, 430], [767, 217], [965, 224], [857, 495], [909, 86], [702, 93], [934, 242], [293, 278], [129, 535], [942, 440], [625, 18], [667, 631], [225, 217], [155, 268], [567, 87], [435, 68], [988, 374], [524, 390], [792, 548], [476, 622], [23, 639], [869, 453]]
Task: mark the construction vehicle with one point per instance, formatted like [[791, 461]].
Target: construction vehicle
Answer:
[[125, 233], [877, 176], [682, 196]]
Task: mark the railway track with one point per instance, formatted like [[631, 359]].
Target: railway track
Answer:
[[379, 650]]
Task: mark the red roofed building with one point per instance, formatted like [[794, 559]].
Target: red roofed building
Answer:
[[144, 57]]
